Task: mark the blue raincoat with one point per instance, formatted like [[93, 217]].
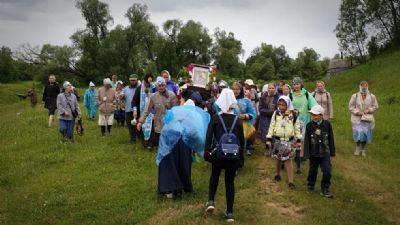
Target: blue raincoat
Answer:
[[89, 103]]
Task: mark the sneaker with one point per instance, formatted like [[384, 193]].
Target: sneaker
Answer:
[[363, 153], [291, 185], [277, 178], [298, 172], [229, 217], [326, 193], [310, 188], [210, 206], [248, 152], [357, 151], [267, 153], [169, 195]]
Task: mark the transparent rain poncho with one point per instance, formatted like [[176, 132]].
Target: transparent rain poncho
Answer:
[[187, 122]]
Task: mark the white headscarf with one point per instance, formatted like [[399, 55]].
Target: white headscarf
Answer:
[[189, 102], [264, 88], [226, 100], [288, 102]]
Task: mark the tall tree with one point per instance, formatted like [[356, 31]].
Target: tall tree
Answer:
[[350, 30], [307, 64], [142, 36], [268, 62], [226, 53], [89, 40], [194, 44]]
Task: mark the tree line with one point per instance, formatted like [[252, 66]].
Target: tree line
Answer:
[[368, 27], [141, 47]]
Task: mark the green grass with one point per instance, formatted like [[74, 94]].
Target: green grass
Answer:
[[108, 181]]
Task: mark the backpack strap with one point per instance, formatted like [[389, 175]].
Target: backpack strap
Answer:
[[222, 121], [223, 124], [233, 124]]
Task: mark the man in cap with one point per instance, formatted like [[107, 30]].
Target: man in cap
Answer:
[[129, 92], [319, 147], [105, 99]]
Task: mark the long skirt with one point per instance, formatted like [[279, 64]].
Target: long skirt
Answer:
[[175, 170], [362, 132]]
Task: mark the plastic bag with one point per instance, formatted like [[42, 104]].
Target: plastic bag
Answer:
[[249, 131]]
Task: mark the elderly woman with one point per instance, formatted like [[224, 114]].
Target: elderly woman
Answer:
[[267, 107], [105, 99], [362, 105], [226, 103], [159, 103], [68, 109], [323, 99], [89, 101], [50, 94]]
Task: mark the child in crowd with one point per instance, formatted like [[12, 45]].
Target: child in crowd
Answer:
[[319, 147], [283, 131]]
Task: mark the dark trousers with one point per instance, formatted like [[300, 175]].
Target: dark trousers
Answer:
[[229, 185], [131, 129], [67, 128], [325, 164]]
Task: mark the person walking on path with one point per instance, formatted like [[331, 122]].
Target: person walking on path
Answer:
[[68, 110], [324, 99], [283, 134], [89, 101], [362, 105], [302, 101], [159, 103], [130, 109], [319, 147], [50, 94], [119, 113], [105, 99], [226, 103]]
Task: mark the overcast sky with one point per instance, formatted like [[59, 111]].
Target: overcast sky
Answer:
[[293, 23]]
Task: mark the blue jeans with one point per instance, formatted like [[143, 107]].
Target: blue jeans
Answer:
[[67, 128], [325, 164]]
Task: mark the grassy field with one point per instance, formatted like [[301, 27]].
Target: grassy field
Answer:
[[108, 181]]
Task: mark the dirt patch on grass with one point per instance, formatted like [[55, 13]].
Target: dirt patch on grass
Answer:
[[290, 210]]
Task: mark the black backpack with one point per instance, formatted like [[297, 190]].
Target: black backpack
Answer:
[[228, 145]]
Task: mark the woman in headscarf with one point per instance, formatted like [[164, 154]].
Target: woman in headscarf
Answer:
[[302, 102], [268, 105], [159, 103], [119, 113], [68, 109], [50, 93], [283, 132], [226, 103], [184, 131], [245, 110], [89, 101], [362, 105], [324, 99], [105, 99]]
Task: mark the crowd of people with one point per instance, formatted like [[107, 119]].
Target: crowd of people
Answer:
[[219, 123]]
